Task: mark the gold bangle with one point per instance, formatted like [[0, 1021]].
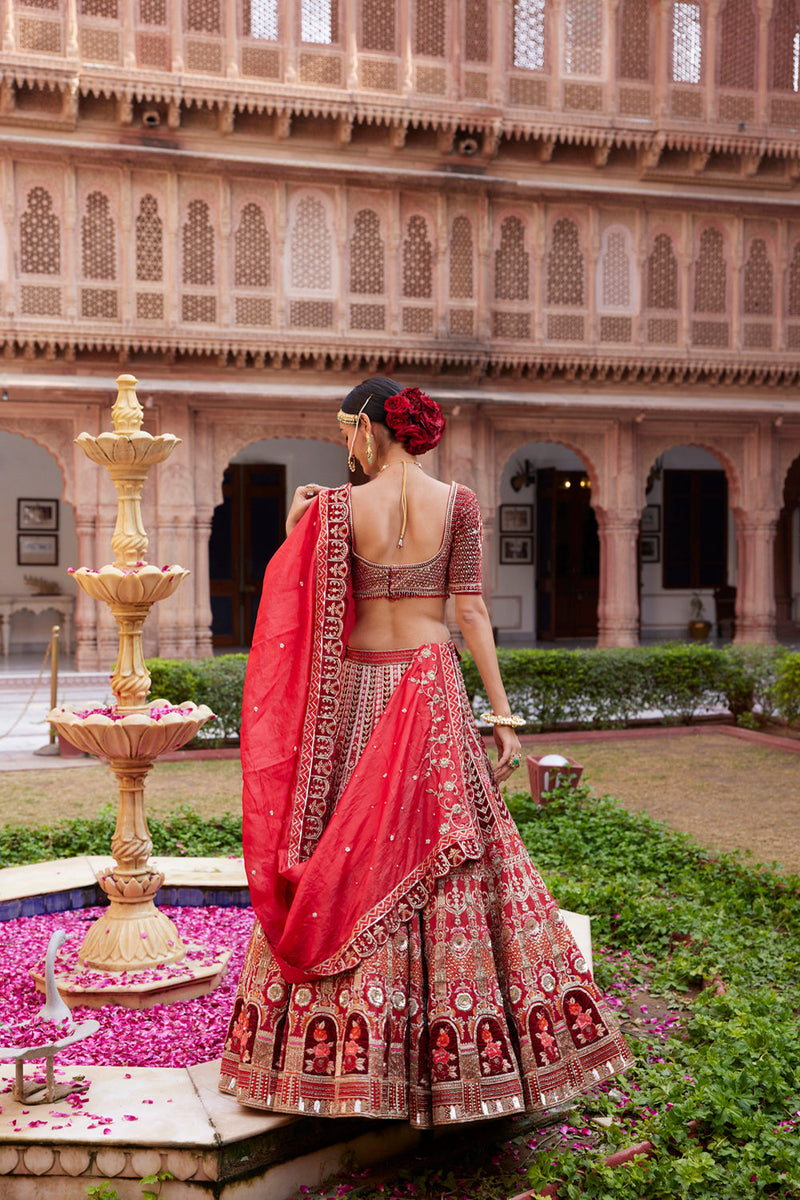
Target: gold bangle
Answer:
[[514, 721]]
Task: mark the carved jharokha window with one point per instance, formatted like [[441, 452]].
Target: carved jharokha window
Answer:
[[633, 41], [737, 46], [583, 37], [367, 271], [661, 292], [252, 267], [529, 35], [260, 19], [311, 279], [784, 36], [687, 43], [319, 22], [39, 255]]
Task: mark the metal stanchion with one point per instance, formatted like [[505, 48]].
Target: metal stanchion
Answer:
[[54, 676]]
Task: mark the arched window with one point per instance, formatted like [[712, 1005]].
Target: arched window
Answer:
[[583, 37], [616, 282], [793, 297], [39, 235], [149, 242], [198, 246], [260, 19], [98, 258], [633, 40], [710, 274], [417, 260], [378, 26], [367, 255], [759, 288], [252, 267], [529, 35], [662, 274], [462, 270], [311, 246], [736, 59], [565, 267], [319, 22], [430, 28], [784, 37], [511, 262], [687, 43]]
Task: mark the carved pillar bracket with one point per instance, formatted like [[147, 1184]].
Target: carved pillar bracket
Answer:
[[618, 604]]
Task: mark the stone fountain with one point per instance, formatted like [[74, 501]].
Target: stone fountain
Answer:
[[133, 953]]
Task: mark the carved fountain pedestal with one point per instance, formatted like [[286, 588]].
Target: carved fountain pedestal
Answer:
[[133, 954]]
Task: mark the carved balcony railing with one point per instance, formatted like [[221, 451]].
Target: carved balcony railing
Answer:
[[720, 74]]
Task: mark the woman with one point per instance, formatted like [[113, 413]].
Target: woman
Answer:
[[407, 960]]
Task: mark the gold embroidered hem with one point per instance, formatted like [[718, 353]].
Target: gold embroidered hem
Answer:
[[479, 1004]]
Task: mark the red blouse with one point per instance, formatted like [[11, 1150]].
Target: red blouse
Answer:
[[454, 568]]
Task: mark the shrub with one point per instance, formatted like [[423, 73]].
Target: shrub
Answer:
[[217, 682], [787, 688]]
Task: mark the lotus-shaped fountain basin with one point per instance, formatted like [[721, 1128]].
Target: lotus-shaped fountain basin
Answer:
[[141, 584], [138, 449], [141, 736]]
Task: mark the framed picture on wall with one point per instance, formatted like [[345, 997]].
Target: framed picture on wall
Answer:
[[516, 518], [651, 549], [37, 515], [651, 518], [516, 551], [37, 549]]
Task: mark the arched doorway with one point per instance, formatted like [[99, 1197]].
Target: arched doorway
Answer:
[[548, 573], [248, 526], [37, 540], [787, 557], [687, 543]]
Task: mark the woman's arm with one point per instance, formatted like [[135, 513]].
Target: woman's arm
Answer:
[[473, 621]]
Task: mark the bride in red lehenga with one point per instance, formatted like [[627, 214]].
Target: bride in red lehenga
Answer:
[[407, 961]]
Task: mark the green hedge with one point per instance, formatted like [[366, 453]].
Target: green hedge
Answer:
[[605, 689], [217, 682], [592, 689]]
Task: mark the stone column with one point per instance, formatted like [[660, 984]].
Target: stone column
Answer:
[[755, 594], [618, 603], [86, 657], [202, 591]]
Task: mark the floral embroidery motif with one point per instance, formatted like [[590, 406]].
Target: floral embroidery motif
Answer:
[[545, 1046], [582, 1020], [444, 1061], [492, 1051], [320, 1049], [356, 1042]]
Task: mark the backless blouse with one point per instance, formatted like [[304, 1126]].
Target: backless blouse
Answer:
[[455, 568]]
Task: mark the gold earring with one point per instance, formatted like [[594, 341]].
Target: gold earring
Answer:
[[370, 455]]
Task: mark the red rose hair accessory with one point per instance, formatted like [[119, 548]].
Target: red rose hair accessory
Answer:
[[415, 420]]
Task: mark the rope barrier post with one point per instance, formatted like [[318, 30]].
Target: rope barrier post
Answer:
[[56, 635]]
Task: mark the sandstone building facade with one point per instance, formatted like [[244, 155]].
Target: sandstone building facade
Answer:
[[575, 222]]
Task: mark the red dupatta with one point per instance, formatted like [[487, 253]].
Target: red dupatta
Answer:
[[328, 891]]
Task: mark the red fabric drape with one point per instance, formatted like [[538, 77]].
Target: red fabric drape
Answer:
[[325, 893]]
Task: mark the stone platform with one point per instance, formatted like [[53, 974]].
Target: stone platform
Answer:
[[136, 1121]]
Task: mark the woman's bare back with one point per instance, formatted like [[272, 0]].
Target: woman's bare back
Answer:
[[383, 624]]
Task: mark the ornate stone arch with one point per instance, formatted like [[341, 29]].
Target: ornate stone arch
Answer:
[[230, 438], [507, 442], [56, 436], [652, 446]]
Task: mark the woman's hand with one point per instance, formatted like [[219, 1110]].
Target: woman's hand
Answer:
[[302, 498], [508, 749]]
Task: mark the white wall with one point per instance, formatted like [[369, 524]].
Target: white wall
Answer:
[[28, 471], [306, 461]]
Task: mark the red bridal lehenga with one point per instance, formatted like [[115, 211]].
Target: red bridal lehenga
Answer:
[[408, 960]]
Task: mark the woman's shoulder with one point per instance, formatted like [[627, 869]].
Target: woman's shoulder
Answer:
[[465, 499]]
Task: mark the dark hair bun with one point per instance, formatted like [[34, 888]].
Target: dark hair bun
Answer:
[[415, 420]]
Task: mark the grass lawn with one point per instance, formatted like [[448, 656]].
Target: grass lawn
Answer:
[[728, 794]]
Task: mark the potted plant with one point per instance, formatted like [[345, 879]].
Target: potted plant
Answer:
[[699, 628]]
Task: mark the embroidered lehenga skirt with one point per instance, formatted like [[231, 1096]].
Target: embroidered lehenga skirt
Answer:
[[479, 1005]]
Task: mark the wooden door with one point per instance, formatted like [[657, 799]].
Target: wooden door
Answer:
[[246, 530], [568, 557]]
